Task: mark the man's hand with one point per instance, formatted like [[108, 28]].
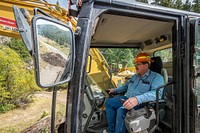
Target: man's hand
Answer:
[[111, 91], [130, 103]]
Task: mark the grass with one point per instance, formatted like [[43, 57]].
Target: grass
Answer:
[[19, 119]]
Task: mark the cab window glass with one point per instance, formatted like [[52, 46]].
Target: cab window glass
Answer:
[[118, 58], [197, 81], [198, 58], [198, 89], [165, 54], [198, 102], [110, 67], [198, 44]]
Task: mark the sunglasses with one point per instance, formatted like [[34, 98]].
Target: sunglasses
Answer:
[[138, 64]]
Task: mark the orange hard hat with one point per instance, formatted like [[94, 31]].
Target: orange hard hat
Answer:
[[142, 57]]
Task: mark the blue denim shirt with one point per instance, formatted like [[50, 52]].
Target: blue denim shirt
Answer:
[[142, 87]]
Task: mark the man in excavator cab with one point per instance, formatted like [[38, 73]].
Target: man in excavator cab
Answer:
[[140, 89]]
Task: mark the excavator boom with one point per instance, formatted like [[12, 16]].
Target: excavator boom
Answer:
[[7, 21]]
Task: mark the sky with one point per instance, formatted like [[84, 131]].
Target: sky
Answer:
[[62, 3]]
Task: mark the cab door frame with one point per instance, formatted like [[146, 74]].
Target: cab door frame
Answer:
[[87, 16], [193, 35]]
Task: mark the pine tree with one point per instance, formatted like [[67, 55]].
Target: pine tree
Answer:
[[187, 6], [178, 4], [157, 2], [196, 6], [166, 3], [144, 1]]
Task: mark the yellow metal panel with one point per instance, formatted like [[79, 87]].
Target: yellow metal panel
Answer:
[[9, 33], [99, 70], [6, 11]]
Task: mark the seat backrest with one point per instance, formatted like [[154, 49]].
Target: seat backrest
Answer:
[[157, 66], [164, 74]]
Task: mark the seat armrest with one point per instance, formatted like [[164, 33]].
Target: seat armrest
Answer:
[[152, 104], [113, 94]]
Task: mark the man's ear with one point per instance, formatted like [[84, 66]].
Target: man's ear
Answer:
[[147, 65]]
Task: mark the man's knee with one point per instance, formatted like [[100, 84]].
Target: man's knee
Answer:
[[108, 102]]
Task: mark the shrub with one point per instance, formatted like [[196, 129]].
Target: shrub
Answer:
[[6, 107], [17, 82], [19, 47]]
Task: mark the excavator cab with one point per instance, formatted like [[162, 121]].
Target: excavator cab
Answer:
[[120, 24]]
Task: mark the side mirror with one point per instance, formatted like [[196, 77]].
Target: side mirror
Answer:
[[53, 51]]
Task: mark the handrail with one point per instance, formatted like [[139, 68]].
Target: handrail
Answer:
[[157, 105]]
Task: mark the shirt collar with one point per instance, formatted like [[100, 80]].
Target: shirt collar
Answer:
[[147, 73]]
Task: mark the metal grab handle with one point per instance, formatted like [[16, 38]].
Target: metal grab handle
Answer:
[[157, 105], [90, 63]]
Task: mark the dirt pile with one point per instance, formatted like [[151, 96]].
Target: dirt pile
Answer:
[[54, 59]]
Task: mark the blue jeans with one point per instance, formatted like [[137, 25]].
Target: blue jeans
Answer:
[[116, 113]]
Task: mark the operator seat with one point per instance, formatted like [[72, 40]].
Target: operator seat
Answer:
[[165, 107], [157, 66]]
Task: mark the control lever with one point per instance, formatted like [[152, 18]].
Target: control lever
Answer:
[[122, 100], [111, 95], [107, 91]]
